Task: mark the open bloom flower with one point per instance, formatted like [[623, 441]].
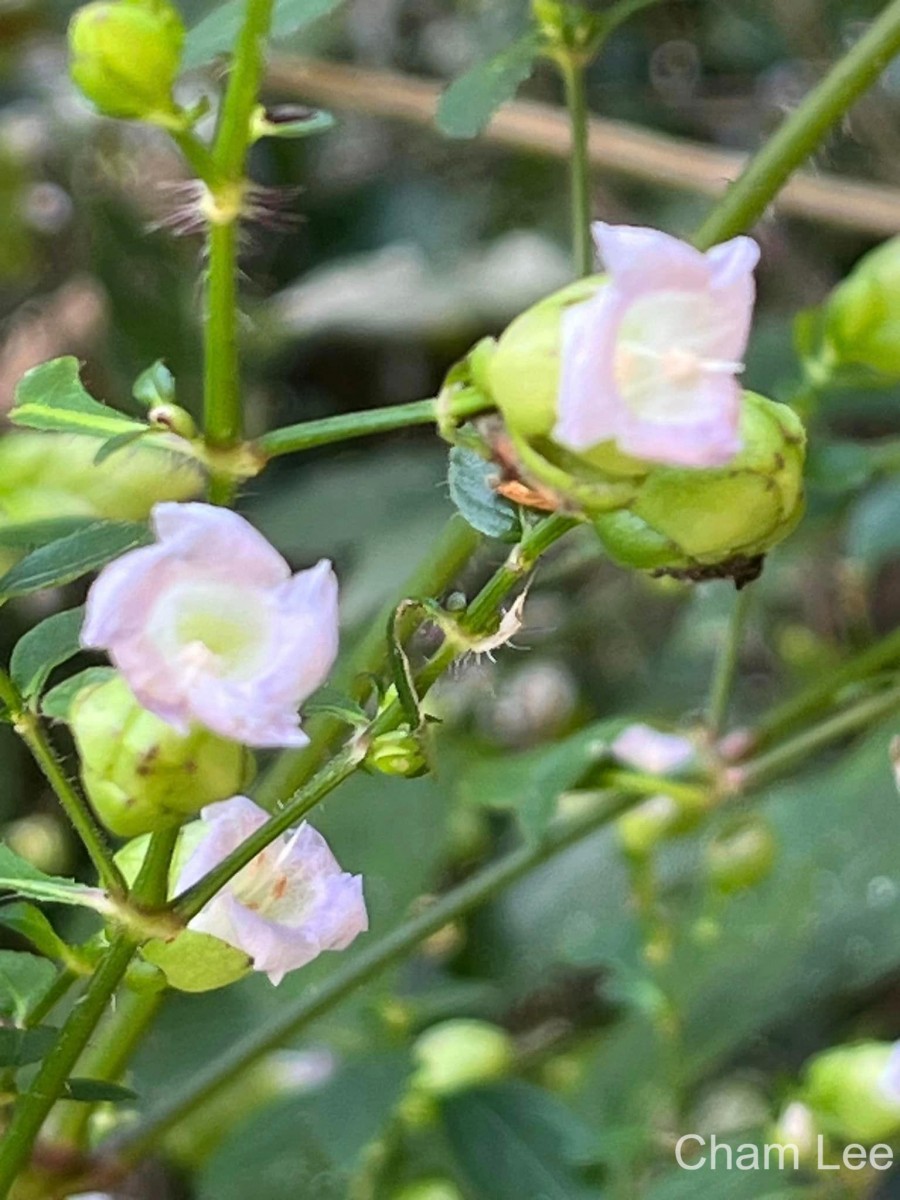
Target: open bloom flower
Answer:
[[208, 626], [650, 361], [651, 750], [287, 905]]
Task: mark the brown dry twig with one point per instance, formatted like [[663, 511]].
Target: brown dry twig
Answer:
[[614, 146]]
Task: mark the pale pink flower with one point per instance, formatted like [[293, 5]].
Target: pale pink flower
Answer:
[[287, 905], [208, 626], [650, 361], [651, 750]]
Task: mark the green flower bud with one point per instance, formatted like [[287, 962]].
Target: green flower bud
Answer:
[[125, 57], [460, 1054], [713, 522], [398, 752], [429, 1189], [851, 1092], [653, 821], [741, 857], [139, 773], [862, 315]]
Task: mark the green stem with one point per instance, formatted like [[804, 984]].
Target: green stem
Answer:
[[241, 97], [28, 727], [726, 664], [221, 385], [361, 968], [572, 67], [292, 768], [32, 1107], [762, 770], [802, 132], [483, 608], [636, 783], [64, 981], [309, 434], [820, 695]]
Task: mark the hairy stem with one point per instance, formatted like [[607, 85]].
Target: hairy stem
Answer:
[[28, 726], [803, 131]]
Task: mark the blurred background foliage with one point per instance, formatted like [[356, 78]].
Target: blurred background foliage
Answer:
[[393, 250]]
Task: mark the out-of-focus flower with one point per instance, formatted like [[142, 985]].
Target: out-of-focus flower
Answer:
[[862, 314], [209, 626], [648, 749], [459, 1054], [649, 362], [290, 902], [854, 1091]]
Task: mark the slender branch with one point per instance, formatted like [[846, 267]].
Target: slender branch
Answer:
[[33, 1106], [221, 383], [292, 768], [572, 67], [814, 699], [804, 130], [361, 968], [726, 663], [309, 434], [241, 96], [615, 147], [76, 808], [756, 773]]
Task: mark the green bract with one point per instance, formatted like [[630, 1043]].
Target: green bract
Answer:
[[716, 521], [139, 773], [862, 315], [845, 1089], [125, 57]]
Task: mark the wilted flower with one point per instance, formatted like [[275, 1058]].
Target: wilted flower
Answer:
[[649, 362], [648, 749], [209, 626], [290, 902]]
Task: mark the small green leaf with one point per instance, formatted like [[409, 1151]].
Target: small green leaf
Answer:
[[31, 534], [53, 641], [71, 557], [155, 386], [468, 104], [470, 479], [19, 876], [23, 979], [52, 397], [57, 702], [92, 1091], [293, 121], [19, 1047], [217, 31], [30, 923]]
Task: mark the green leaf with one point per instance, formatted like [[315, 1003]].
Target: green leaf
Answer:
[[57, 702], [52, 397], [31, 534], [530, 783], [470, 101], [309, 1145], [73, 556], [19, 1047], [470, 478], [517, 1142], [155, 385], [217, 32], [30, 923], [119, 442], [19, 876], [197, 962], [294, 121], [23, 979], [92, 1091], [53, 641]]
